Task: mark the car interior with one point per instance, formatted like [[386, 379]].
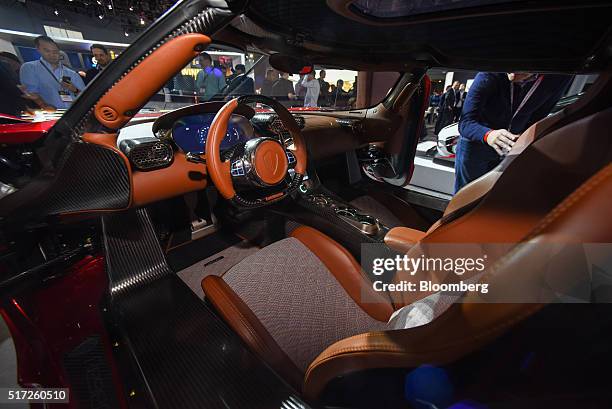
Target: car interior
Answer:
[[228, 270]]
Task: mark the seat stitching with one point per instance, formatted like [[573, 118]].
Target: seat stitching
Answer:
[[386, 348], [357, 267], [557, 212], [572, 199]]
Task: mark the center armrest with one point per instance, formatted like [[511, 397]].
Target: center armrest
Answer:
[[403, 238]]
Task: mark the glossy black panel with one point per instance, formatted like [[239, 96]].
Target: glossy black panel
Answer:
[[93, 177], [190, 358], [133, 255], [90, 375]]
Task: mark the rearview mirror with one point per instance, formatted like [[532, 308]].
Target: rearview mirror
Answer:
[[290, 64]]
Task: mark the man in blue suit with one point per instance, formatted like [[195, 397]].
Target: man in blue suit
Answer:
[[497, 109]]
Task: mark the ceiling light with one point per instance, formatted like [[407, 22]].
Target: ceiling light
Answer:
[[56, 12], [131, 8], [99, 2], [100, 16], [142, 22], [126, 34], [110, 6]]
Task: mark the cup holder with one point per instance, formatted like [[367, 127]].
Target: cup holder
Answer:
[[345, 211], [366, 224]]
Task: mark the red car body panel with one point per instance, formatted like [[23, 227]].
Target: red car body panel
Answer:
[[74, 300], [19, 130], [15, 130]]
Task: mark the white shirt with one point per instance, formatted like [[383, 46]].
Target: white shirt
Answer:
[[312, 91]]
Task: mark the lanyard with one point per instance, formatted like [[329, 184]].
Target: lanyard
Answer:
[[51, 72], [524, 101]]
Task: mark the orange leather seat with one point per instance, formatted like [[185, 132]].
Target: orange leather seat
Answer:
[[555, 190]]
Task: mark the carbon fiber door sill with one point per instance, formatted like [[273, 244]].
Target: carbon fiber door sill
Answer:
[[182, 354]]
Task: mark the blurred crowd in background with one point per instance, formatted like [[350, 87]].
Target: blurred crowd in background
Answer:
[[445, 107], [48, 82]]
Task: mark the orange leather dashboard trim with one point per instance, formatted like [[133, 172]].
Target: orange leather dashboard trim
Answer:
[[179, 178], [127, 96]]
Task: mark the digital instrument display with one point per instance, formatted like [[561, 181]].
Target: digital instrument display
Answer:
[[190, 132]]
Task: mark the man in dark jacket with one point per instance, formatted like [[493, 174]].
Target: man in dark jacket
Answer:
[[447, 107], [460, 96], [241, 84], [323, 90], [103, 58], [498, 108], [282, 89]]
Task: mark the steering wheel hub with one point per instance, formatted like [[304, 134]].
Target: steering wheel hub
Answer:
[[269, 160]]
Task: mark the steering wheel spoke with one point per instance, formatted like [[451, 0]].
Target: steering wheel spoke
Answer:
[[240, 170], [291, 159]]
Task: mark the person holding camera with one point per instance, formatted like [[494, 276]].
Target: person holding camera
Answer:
[[49, 79]]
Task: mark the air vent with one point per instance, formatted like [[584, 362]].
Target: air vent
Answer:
[[147, 153], [277, 125], [300, 121]]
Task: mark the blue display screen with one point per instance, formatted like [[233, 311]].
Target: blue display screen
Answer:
[[190, 132]]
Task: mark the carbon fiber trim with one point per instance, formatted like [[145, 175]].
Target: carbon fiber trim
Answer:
[[91, 177], [177, 353], [90, 375], [240, 201], [134, 257], [190, 358]]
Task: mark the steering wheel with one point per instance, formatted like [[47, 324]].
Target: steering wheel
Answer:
[[260, 162]]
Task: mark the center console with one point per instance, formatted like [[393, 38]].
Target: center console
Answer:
[[319, 208], [364, 223]]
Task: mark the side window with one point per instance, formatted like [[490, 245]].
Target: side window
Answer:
[[436, 160], [324, 88]]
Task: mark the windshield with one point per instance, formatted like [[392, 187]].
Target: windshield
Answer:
[[43, 74], [219, 75]]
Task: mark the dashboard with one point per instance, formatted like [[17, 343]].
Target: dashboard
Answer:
[[191, 132]]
